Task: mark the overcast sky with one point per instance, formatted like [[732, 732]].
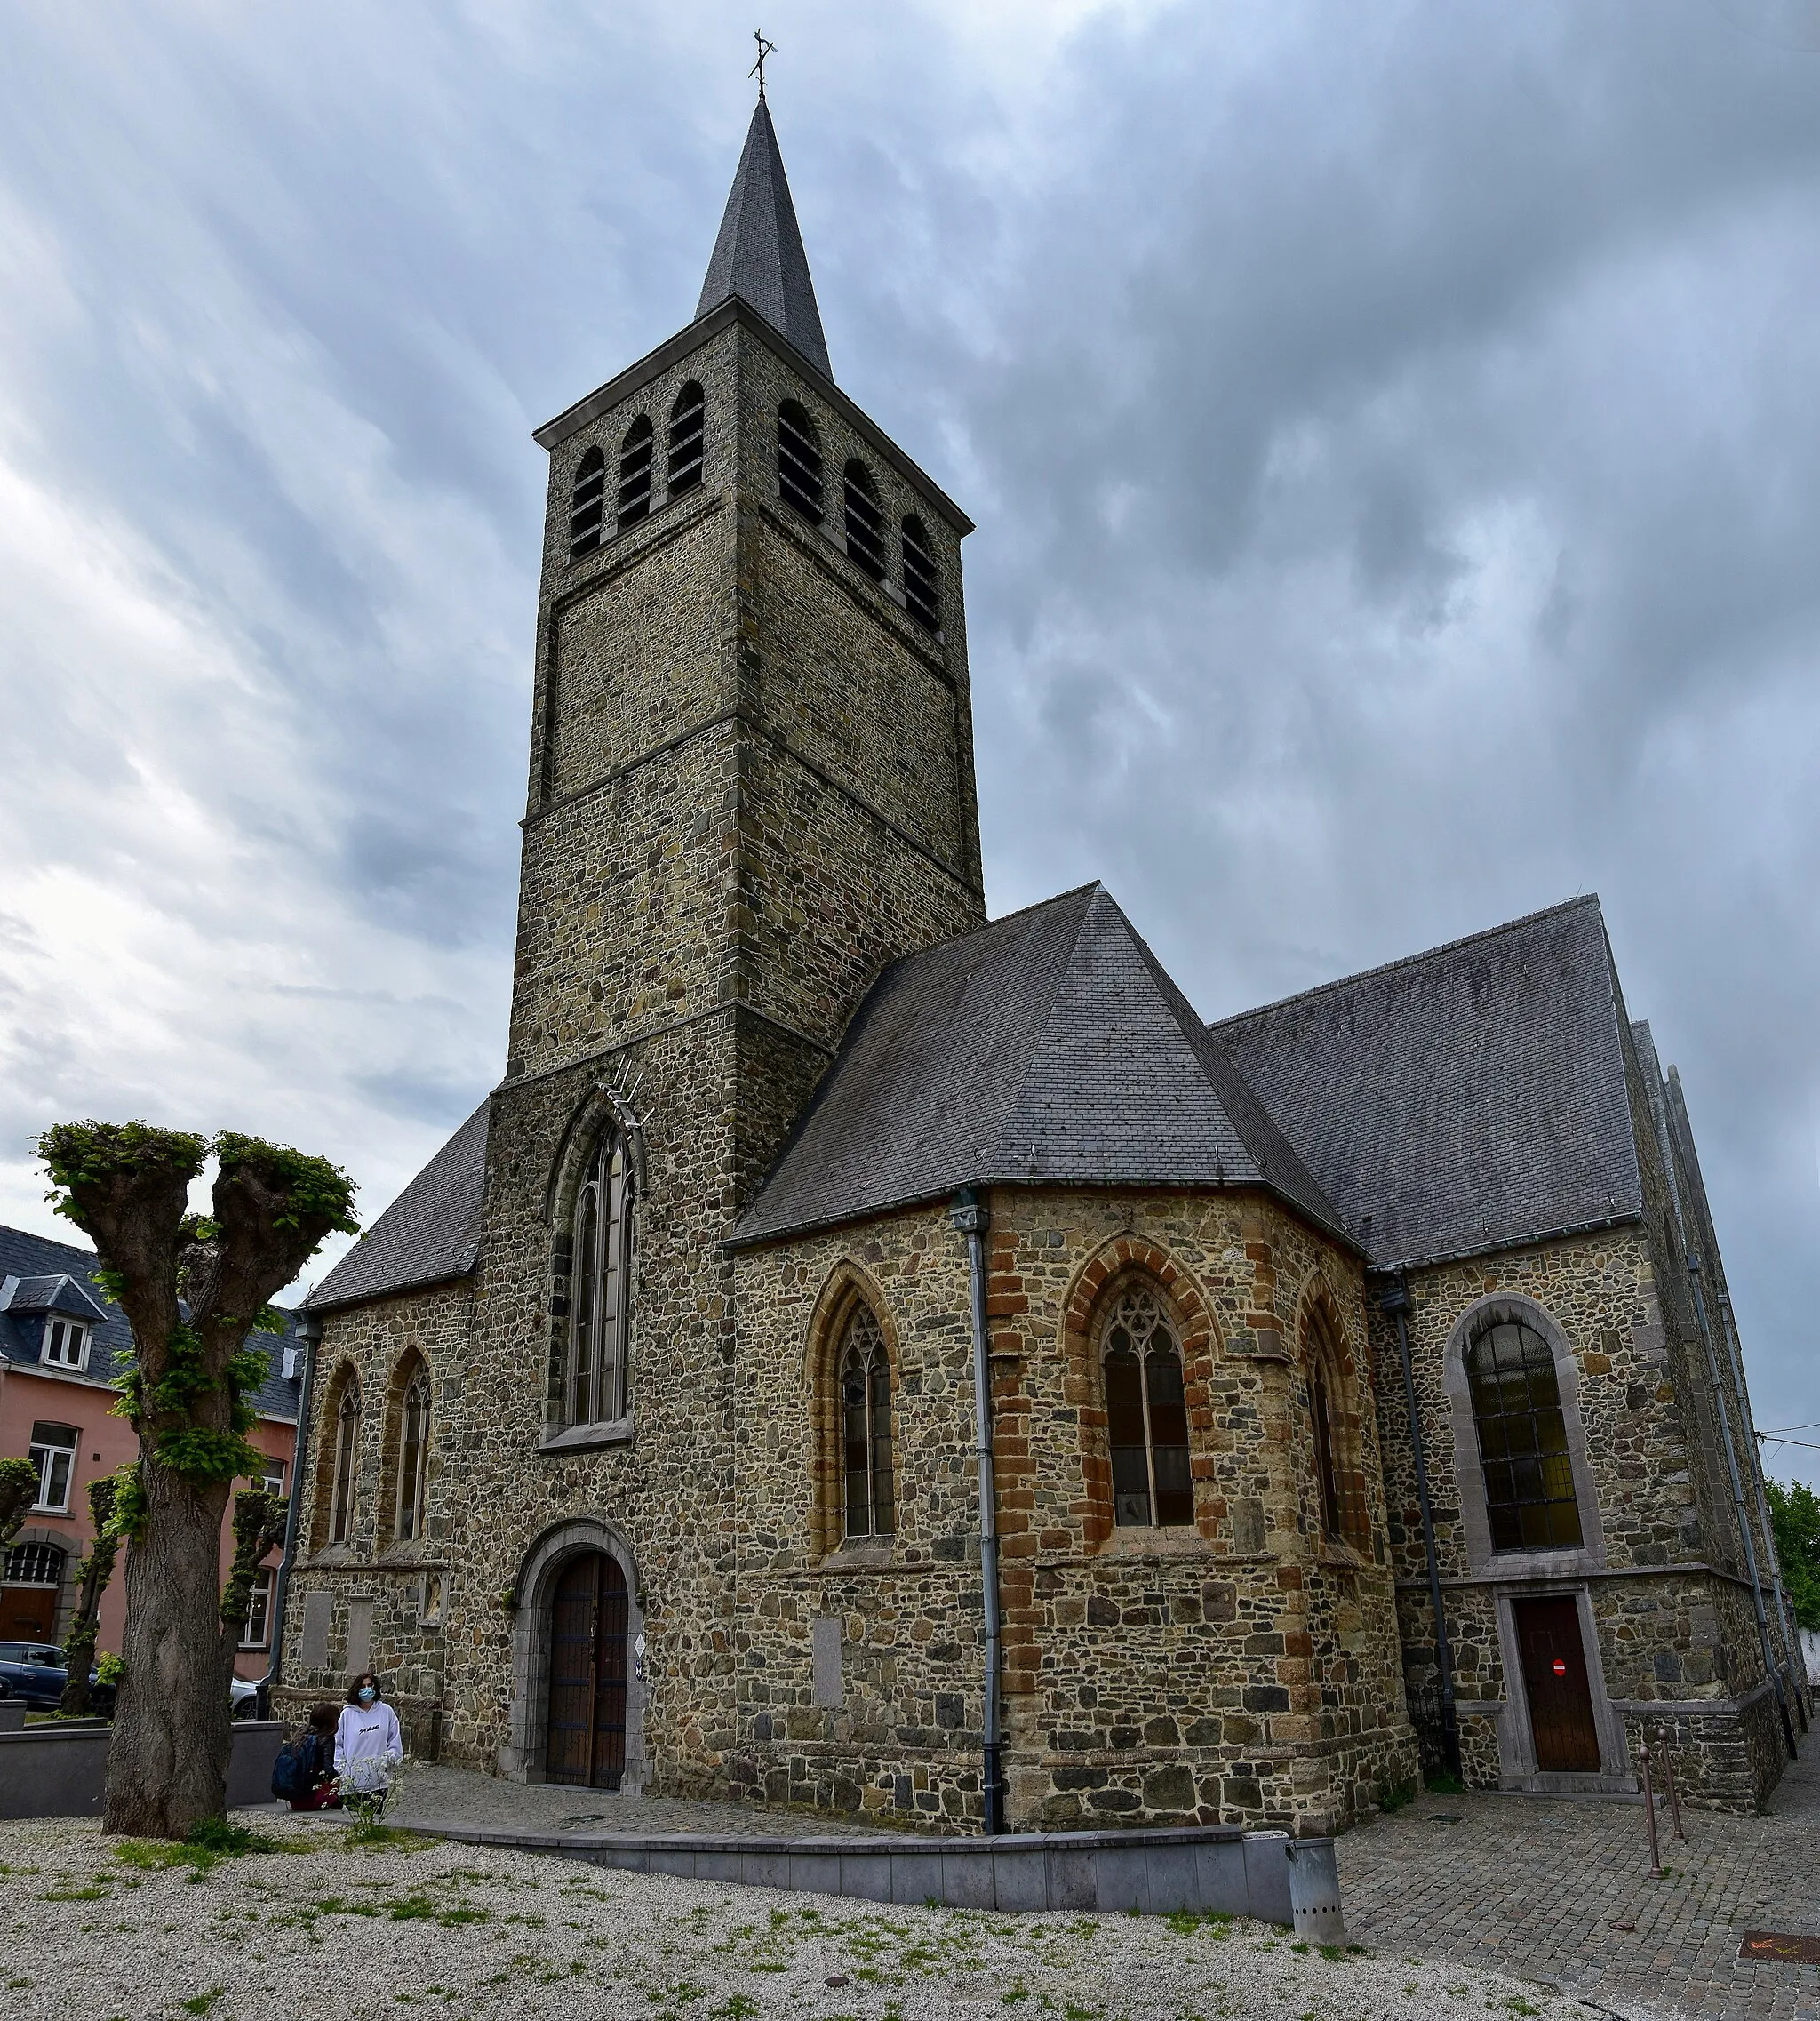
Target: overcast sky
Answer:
[[1393, 431]]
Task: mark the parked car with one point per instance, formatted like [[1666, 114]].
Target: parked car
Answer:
[[35, 1672], [243, 1697]]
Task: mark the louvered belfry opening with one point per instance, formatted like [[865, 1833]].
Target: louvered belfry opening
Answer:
[[587, 505], [866, 523], [921, 596], [799, 461], [635, 454], [687, 420]]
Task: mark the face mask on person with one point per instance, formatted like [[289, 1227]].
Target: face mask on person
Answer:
[[367, 1694]]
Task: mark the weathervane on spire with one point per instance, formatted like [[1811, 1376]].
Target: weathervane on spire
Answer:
[[765, 49]]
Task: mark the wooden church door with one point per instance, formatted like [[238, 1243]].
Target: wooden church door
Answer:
[[585, 1740], [1554, 1678]]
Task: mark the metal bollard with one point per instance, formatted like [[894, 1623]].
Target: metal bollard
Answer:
[[1314, 1891], [1674, 1800], [1649, 1812]]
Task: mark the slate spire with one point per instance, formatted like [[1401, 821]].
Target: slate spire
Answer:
[[759, 253]]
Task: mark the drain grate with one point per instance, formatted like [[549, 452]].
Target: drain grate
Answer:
[[1444, 1817], [1780, 1943]]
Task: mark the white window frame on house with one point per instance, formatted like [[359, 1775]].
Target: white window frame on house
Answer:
[[272, 1479], [66, 1345], [51, 1443], [256, 1632]]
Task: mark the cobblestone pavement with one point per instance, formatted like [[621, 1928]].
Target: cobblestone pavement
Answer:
[[1559, 1891], [463, 1796]]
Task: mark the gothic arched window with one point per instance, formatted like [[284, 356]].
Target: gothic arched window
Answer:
[[866, 523], [921, 595], [865, 1428], [414, 1456], [635, 454], [1146, 1413], [687, 418], [1337, 1477], [587, 505], [600, 1286], [345, 1475], [799, 461], [1529, 1499]]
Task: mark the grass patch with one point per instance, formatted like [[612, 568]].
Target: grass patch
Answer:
[[1441, 1783], [200, 2003]]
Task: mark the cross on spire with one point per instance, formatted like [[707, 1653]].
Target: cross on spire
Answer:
[[765, 49]]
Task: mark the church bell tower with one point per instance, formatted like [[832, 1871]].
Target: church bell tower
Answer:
[[751, 787]]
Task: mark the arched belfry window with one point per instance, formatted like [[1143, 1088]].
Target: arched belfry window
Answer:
[[687, 418], [344, 1480], [1146, 1413], [1529, 1499], [866, 523], [414, 1456], [635, 454], [921, 595], [600, 1286], [587, 504], [799, 461], [864, 1378]]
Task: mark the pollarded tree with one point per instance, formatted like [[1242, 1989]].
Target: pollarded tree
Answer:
[[19, 1489], [192, 1288], [92, 1577]]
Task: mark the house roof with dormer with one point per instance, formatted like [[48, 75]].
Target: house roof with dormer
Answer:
[[40, 1278], [1050, 1048]]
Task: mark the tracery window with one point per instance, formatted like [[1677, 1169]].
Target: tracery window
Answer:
[[587, 504], [1529, 1499], [865, 1428], [601, 1269], [1147, 1412], [799, 461], [635, 455], [345, 1478], [866, 523], [922, 594], [414, 1456], [687, 418]]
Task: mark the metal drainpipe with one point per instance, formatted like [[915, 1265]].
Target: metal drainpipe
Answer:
[[1396, 1301], [310, 1331], [1771, 1668], [1796, 1666], [968, 1216]]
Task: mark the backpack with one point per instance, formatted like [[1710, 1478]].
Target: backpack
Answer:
[[289, 1771]]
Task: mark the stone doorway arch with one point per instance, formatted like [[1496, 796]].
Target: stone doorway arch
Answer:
[[557, 1553]]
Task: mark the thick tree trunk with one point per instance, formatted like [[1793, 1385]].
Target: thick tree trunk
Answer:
[[167, 1768]]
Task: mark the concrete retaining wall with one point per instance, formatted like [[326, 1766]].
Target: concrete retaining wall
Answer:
[[62, 1771], [1209, 1867]]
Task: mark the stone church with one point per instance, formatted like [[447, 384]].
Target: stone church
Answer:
[[867, 1356]]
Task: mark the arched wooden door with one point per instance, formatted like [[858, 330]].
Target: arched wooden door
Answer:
[[585, 1740]]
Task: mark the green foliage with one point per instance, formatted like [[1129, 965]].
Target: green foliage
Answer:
[[111, 1669], [1440, 1783], [19, 1489], [128, 1520], [315, 1189], [1794, 1515], [1395, 1796], [90, 1154]]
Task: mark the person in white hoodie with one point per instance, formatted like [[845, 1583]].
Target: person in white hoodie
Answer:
[[367, 1744]]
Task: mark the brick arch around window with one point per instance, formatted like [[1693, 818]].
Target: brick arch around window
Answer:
[[1333, 1393], [334, 1459], [847, 1287], [404, 1450], [1121, 1264], [603, 1108], [1477, 1320]]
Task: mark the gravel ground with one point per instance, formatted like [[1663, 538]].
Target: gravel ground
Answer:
[[335, 1931]]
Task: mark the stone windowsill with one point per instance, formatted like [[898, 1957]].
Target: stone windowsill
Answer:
[[587, 1438], [1539, 1565], [872, 1555], [1159, 1544]]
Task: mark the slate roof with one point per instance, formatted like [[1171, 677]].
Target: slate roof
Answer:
[[28, 1263], [1467, 1098], [758, 255], [1048, 1048], [429, 1234]]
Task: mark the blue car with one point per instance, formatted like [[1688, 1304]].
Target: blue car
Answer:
[[35, 1672]]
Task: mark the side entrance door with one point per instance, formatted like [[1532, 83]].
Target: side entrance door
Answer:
[[584, 1739], [1554, 1680]]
